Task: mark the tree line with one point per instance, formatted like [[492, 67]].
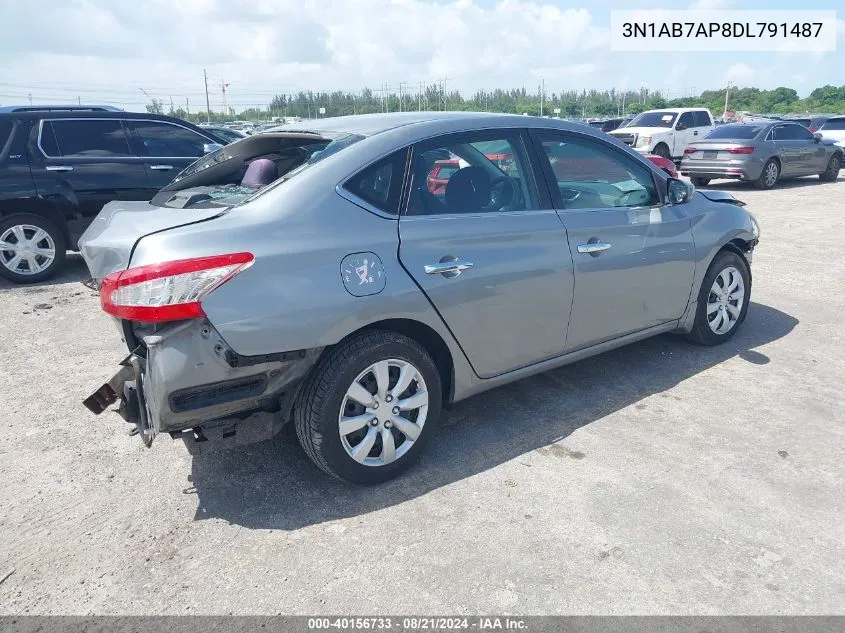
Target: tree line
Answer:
[[568, 103]]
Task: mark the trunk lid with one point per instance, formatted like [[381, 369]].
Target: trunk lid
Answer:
[[108, 243]]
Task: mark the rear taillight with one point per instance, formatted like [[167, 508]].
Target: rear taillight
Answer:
[[690, 150], [812, 129], [739, 150], [170, 291]]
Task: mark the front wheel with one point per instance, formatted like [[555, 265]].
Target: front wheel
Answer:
[[369, 407], [722, 300], [32, 248], [700, 182], [833, 166]]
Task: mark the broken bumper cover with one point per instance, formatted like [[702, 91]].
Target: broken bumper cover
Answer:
[[185, 380]]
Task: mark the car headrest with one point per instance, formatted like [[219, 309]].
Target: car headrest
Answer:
[[468, 190]]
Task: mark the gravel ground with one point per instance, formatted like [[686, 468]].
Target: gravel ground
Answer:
[[660, 478]]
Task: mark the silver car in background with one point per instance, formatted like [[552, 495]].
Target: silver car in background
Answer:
[[761, 153], [354, 275]]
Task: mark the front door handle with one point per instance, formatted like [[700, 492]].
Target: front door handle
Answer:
[[452, 266], [59, 168], [593, 247], [161, 167]]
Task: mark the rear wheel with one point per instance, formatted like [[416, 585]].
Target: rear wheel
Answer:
[[722, 300], [369, 407], [769, 176], [32, 248], [662, 150], [700, 182], [833, 166]]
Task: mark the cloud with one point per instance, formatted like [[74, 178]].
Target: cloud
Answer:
[[109, 50], [740, 74]]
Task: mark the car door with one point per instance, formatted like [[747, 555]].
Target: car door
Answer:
[[489, 251], [813, 155], [90, 155], [166, 149], [702, 125], [684, 133], [633, 255], [791, 151]]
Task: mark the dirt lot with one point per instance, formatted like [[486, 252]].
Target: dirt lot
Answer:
[[659, 478]]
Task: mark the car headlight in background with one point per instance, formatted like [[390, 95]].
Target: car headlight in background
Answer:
[[643, 141]]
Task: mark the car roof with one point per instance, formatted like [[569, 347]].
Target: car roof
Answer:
[[59, 108], [370, 124]]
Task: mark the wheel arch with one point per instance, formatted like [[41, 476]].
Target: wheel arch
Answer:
[[47, 209], [430, 340]]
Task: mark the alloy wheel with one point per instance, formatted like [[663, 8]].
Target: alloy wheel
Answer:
[[724, 303], [771, 174], [26, 249], [383, 412]]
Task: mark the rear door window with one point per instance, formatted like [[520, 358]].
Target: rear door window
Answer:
[[165, 140], [84, 138], [701, 119], [380, 184]]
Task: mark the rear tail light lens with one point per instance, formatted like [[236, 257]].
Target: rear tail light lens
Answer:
[[690, 150], [171, 291], [740, 150]]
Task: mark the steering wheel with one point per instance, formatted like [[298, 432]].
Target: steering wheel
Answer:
[[505, 194]]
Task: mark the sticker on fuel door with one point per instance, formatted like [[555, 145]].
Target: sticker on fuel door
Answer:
[[362, 274]]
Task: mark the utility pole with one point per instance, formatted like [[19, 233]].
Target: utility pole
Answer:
[[400, 95], [207, 102], [725, 112], [445, 105], [30, 98], [223, 86], [79, 100], [187, 108], [419, 98], [542, 94], [386, 98], [171, 105]]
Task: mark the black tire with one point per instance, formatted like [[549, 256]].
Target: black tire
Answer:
[[323, 393], [58, 238], [700, 182], [833, 166], [762, 182], [662, 150], [701, 332]]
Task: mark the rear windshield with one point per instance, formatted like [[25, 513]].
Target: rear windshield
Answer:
[[737, 131], [654, 119], [830, 124]]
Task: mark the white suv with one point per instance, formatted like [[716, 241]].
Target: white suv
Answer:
[[666, 132]]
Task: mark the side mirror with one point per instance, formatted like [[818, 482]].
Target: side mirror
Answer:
[[207, 148], [817, 137], [680, 127], [678, 191]]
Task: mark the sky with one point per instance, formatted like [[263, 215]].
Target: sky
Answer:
[[123, 52]]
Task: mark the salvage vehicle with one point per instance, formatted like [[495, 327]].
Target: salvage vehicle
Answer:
[[761, 153], [311, 276], [59, 164]]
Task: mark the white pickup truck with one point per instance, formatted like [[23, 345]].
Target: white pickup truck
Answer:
[[666, 132]]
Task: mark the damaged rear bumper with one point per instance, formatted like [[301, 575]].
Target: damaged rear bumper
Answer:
[[186, 381]]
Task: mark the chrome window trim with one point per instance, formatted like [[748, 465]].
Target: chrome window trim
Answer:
[[123, 122]]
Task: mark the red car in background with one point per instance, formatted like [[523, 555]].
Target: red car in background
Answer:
[[666, 164]]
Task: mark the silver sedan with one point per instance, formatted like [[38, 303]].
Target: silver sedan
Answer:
[[761, 153], [352, 276]]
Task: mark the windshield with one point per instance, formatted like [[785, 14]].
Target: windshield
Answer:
[[654, 119], [737, 131], [834, 124]]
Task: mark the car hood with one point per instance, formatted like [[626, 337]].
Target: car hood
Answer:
[[108, 243], [645, 131]]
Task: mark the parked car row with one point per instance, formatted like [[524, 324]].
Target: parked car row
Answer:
[[328, 277]]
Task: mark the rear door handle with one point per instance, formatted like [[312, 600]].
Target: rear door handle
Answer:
[[59, 168], [161, 167], [593, 247], [453, 266]]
